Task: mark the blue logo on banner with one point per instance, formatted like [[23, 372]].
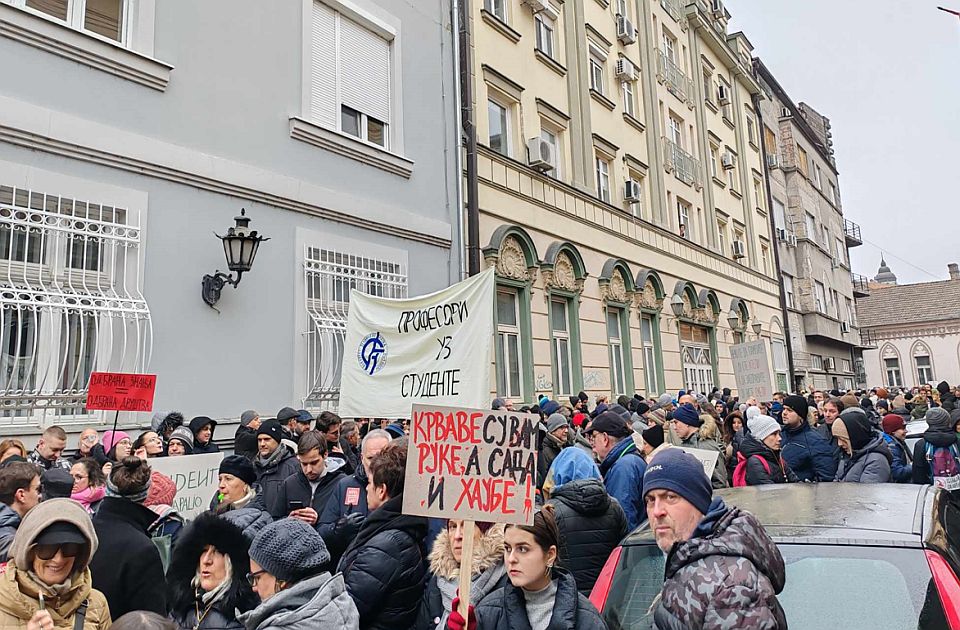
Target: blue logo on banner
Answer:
[[372, 353]]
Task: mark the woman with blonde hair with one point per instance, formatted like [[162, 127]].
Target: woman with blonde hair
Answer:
[[12, 447]]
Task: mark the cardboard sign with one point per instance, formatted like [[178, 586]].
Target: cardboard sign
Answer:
[[432, 349], [471, 464], [707, 458], [112, 391], [197, 478], [752, 370]]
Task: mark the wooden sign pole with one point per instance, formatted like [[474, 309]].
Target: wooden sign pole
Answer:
[[466, 568]]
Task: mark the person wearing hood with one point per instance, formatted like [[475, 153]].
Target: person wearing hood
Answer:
[[864, 456], [19, 492], [50, 559], [920, 406], [385, 565], [940, 434], [180, 442], [206, 581], [489, 573], [809, 455], [304, 494], [238, 499], [202, 428], [760, 454], [274, 463], [164, 422], [127, 567], [894, 432], [687, 426], [554, 441], [245, 439], [873, 416], [591, 523], [947, 398], [621, 465], [289, 572]]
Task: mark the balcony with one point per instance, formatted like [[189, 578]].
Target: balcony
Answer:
[[851, 232], [867, 338], [822, 326], [861, 286], [685, 167], [671, 75], [673, 9]]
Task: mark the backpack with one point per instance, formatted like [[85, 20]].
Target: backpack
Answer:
[[944, 466], [163, 533], [740, 472]]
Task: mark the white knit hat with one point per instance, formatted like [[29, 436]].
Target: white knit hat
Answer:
[[752, 412], [761, 426]]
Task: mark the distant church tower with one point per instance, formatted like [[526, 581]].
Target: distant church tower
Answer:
[[884, 275]]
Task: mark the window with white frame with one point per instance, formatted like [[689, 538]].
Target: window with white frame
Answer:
[[676, 130], [696, 357], [811, 227], [552, 138], [545, 29], [622, 8], [351, 77], [615, 342], [924, 369], [497, 7], [816, 175], [779, 215], [722, 236], [758, 194], [765, 258], [816, 362], [715, 166], [562, 361], [841, 250], [629, 98], [780, 366], [107, 18], [821, 297], [509, 348], [788, 291], [751, 129], [637, 208], [598, 61], [708, 88], [732, 175], [834, 196], [683, 220], [670, 46], [603, 178], [846, 366], [851, 312], [892, 368], [650, 366], [498, 125]]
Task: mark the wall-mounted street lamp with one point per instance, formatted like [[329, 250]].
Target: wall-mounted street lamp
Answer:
[[733, 318], [757, 327], [676, 305], [240, 245]]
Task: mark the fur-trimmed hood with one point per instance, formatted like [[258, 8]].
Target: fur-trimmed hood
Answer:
[[487, 552], [226, 537]]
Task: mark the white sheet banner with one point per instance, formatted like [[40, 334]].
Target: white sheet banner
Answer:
[[433, 349], [197, 478]]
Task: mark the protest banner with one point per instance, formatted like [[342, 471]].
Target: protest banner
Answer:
[[707, 458], [433, 349], [752, 371], [113, 391], [196, 477]]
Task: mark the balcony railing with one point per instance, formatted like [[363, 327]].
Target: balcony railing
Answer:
[[867, 338], [673, 76], [861, 285], [851, 231], [685, 167], [673, 8]]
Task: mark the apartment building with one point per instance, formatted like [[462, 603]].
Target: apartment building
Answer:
[[622, 197], [131, 131], [812, 239]]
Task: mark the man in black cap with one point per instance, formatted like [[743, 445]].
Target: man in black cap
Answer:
[[304, 420], [806, 451], [686, 433], [287, 417], [621, 466], [274, 463]]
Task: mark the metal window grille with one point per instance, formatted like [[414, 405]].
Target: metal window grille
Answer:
[[70, 303], [329, 276]]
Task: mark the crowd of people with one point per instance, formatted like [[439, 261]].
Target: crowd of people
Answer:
[[306, 529]]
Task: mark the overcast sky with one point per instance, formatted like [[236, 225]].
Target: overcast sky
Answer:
[[887, 74]]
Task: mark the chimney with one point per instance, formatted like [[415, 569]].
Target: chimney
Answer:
[[954, 271]]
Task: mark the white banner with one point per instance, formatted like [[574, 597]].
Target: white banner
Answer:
[[433, 349], [197, 478], [752, 370]]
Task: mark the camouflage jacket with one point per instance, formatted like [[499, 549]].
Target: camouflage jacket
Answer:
[[725, 577]]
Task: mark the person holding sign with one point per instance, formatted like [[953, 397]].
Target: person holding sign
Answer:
[[540, 595]]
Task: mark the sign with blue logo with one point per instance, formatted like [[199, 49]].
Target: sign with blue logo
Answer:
[[372, 353]]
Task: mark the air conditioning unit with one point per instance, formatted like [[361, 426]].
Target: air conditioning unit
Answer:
[[835, 262], [631, 191], [844, 327], [540, 155], [625, 70], [792, 240], [728, 161], [723, 94], [626, 31], [828, 364], [782, 235], [739, 249], [717, 8], [773, 161]]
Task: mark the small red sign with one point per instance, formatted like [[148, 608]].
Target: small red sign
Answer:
[[111, 391], [352, 497]]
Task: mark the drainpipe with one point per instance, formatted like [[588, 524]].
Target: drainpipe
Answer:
[[458, 160], [461, 16]]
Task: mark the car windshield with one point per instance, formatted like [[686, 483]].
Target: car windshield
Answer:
[[881, 588]]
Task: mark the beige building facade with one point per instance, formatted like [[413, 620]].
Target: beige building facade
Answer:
[[621, 194]]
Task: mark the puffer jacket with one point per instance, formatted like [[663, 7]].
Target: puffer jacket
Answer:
[[9, 522], [272, 472], [809, 455], [385, 566], [901, 463], [19, 592], [751, 449], [317, 603], [506, 609], [727, 575], [591, 524], [870, 464]]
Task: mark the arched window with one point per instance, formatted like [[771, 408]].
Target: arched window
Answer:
[[922, 363], [563, 274], [698, 343], [890, 359], [651, 296], [616, 292]]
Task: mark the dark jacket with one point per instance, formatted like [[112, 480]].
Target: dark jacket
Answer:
[[9, 522], [384, 567], [591, 525], [272, 472], [506, 609], [809, 455], [622, 471], [901, 464], [96, 452], [751, 448], [550, 447], [937, 436], [337, 507], [297, 487], [182, 601], [195, 425], [245, 442], [870, 464], [947, 400], [127, 567], [727, 575]]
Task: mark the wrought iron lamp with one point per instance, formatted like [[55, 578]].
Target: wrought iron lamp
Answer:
[[240, 245], [733, 318], [757, 327], [676, 305]]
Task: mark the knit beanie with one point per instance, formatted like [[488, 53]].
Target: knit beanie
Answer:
[[574, 401], [882, 404], [395, 429], [798, 404], [555, 421], [120, 482], [162, 490], [653, 436], [938, 417], [110, 439], [664, 400], [184, 435], [549, 408], [686, 414], [240, 467], [762, 426], [882, 392], [642, 408], [680, 472], [498, 404], [750, 412], [272, 429], [248, 416], [849, 400], [290, 550], [892, 422]]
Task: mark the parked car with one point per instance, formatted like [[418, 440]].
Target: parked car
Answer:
[[879, 556]]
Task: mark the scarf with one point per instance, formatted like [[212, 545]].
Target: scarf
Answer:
[[273, 458], [245, 500], [138, 497], [57, 590], [89, 496], [214, 595]]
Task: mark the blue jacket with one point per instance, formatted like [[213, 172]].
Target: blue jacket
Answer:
[[809, 455], [622, 471], [901, 468]]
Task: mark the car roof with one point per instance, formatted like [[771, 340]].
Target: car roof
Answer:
[[839, 513]]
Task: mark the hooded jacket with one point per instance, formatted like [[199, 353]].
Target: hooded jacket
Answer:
[[9, 522], [591, 524], [385, 565], [337, 507], [939, 434], [947, 400], [297, 487], [315, 603], [489, 575], [19, 592], [751, 448], [506, 608], [182, 596], [901, 464], [245, 442], [701, 441], [272, 471], [550, 447], [871, 459], [809, 455], [727, 575], [195, 425], [622, 471]]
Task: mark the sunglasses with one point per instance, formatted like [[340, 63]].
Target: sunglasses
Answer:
[[46, 552], [253, 577]]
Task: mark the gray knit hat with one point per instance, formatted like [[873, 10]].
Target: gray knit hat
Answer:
[[663, 401], [762, 426], [937, 417], [290, 550], [555, 421], [248, 416], [184, 434]]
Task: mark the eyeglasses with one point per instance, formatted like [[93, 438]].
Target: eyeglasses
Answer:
[[253, 577], [46, 552], [90, 439]]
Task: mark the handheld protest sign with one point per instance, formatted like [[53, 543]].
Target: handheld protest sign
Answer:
[[466, 568], [112, 391]]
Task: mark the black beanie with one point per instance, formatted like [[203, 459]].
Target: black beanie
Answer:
[[798, 404], [240, 467], [653, 436], [272, 429]]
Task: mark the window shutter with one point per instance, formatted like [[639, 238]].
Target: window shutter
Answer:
[[364, 70], [323, 88]]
